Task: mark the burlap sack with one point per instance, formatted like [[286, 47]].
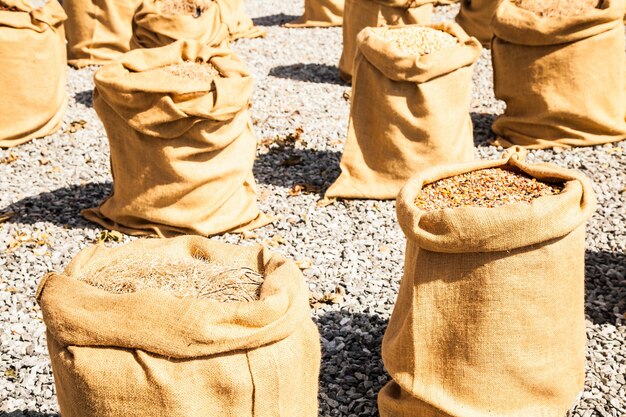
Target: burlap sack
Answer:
[[98, 31], [474, 17], [237, 20], [407, 114], [319, 13], [562, 78], [490, 316], [181, 149], [359, 14], [33, 68], [149, 353], [152, 29]]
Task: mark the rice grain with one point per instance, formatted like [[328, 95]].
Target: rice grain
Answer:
[[415, 40], [558, 8]]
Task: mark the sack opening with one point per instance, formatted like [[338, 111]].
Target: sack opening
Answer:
[[416, 40], [559, 8], [194, 70], [193, 8]]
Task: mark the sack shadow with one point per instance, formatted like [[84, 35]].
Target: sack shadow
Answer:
[[273, 20], [352, 371], [26, 413], [61, 206], [605, 292], [312, 73], [85, 98], [481, 123]]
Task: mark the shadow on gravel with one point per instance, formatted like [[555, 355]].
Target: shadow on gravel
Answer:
[[312, 73], [352, 370], [605, 286], [61, 207], [26, 413], [482, 128], [273, 20], [85, 98]]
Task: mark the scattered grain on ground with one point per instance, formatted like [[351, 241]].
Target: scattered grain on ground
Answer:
[[416, 40]]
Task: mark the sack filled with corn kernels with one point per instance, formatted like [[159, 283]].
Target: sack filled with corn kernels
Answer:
[[560, 72], [181, 327], [33, 60], [98, 31], [474, 17], [409, 107], [319, 13], [239, 24], [359, 14], [161, 22], [475, 330], [181, 140]]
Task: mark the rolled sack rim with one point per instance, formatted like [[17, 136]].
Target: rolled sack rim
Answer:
[[50, 16]]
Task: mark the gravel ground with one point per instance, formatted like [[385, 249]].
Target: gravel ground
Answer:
[[356, 245]]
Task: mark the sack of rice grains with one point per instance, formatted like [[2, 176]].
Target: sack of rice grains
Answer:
[[319, 13], [239, 24], [98, 31], [161, 22], [490, 318], [181, 327], [33, 62], [359, 14], [181, 140], [559, 66], [409, 108], [474, 17]]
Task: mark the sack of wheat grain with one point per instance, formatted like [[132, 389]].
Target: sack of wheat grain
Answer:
[[475, 16], [33, 61], [239, 24], [181, 327], [559, 66], [319, 13], [409, 108], [490, 318], [181, 140], [359, 14]]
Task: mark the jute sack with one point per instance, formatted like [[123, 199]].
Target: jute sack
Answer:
[[182, 149], [490, 319], [474, 18], [319, 13], [237, 20], [407, 113], [153, 28], [546, 70], [98, 31], [148, 353], [359, 14], [33, 68]]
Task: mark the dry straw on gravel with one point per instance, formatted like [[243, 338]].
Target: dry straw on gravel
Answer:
[[416, 40], [200, 71], [189, 278], [491, 187], [556, 8], [177, 7]]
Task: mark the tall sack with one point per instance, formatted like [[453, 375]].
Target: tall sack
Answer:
[[149, 353], [182, 150], [474, 17], [407, 113], [319, 13], [152, 28], [34, 64], [490, 318], [562, 78], [239, 24], [359, 14], [98, 31]]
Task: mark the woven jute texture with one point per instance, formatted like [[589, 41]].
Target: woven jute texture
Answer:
[[149, 353], [475, 16], [407, 114], [33, 63], [490, 318], [320, 13]]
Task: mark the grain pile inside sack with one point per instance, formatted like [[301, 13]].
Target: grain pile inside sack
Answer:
[[98, 31], [409, 107], [161, 22], [559, 66], [319, 13], [489, 319], [474, 17], [181, 140], [33, 62], [359, 14], [181, 327], [237, 21]]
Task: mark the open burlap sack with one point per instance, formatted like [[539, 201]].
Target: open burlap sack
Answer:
[[490, 319], [153, 28], [562, 78], [33, 68], [319, 13], [149, 353], [182, 149], [474, 18], [359, 14], [98, 31], [407, 114], [239, 24]]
